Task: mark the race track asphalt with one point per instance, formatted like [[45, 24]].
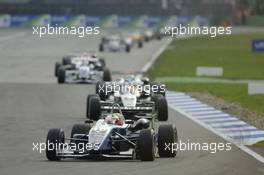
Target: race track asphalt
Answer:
[[31, 102]]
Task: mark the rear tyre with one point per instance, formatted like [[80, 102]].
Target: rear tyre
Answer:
[[140, 44], [79, 129], [161, 106], [55, 138], [102, 61], [127, 48], [93, 109], [61, 75], [107, 75], [100, 89], [167, 135], [57, 66], [66, 61], [146, 145], [101, 47]]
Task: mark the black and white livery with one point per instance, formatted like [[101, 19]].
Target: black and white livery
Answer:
[[82, 69], [113, 136], [115, 43], [151, 34], [136, 95]]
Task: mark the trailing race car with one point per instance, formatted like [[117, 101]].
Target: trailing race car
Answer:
[[82, 69], [133, 95], [112, 135], [115, 43]]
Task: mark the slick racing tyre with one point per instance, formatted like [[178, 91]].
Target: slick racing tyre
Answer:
[[167, 135], [57, 66], [101, 90], [55, 138], [61, 75], [93, 107], [161, 89], [146, 145], [107, 75], [140, 44], [101, 47], [66, 60], [161, 106], [102, 61], [127, 48], [79, 129]]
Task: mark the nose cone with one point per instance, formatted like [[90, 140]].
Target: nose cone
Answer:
[[129, 100], [84, 72]]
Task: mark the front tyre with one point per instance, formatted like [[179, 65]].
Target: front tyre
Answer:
[[107, 75], [146, 145], [55, 141], [167, 136], [93, 108], [57, 66], [61, 75]]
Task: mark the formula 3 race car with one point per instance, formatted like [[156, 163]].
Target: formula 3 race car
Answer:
[[131, 94], [115, 43], [82, 69], [110, 136], [151, 34]]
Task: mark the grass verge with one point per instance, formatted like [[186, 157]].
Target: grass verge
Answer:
[[233, 53]]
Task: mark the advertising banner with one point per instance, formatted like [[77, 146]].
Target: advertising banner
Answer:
[[109, 21]]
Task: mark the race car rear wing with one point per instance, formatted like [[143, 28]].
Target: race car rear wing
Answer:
[[148, 107]]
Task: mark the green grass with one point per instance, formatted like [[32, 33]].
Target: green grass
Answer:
[[230, 92], [259, 144], [233, 53]]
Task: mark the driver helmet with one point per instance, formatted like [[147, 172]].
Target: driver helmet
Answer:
[[115, 119], [94, 55]]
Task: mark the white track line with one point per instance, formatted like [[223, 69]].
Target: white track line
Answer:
[[156, 55]]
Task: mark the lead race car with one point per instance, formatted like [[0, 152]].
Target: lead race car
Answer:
[[136, 95], [112, 135], [82, 68]]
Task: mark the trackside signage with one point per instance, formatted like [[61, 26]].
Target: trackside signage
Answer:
[[258, 45]]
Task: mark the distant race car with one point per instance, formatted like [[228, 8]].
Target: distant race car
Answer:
[[115, 43], [137, 37], [112, 135], [82, 69], [134, 94], [151, 34]]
